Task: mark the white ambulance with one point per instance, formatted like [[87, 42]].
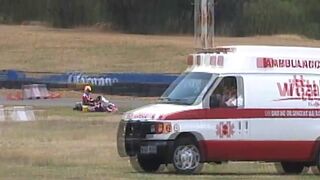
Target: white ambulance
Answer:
[[233, 103]]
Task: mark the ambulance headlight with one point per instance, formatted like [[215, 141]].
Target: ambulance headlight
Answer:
[[160, 128]]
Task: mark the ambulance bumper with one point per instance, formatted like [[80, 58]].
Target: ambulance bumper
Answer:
[[146, 148], [131, 144]]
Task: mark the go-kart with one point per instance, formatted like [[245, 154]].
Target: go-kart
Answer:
[[101, 104]]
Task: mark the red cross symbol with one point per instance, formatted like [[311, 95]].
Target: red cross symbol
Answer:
[[225, 129]]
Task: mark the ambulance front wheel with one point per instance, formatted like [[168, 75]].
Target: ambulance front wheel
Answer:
[[145, 163], [186, 156]]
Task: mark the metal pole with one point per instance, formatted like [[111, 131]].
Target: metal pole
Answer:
[[204, 24]]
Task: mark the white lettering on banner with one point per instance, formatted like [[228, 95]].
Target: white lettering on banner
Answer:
[[287, 63], [77, 78], [299, 88]]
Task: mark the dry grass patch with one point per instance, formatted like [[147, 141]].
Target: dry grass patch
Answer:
[[34, 48]]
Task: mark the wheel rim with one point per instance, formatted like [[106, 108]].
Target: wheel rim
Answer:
[[186, 157]]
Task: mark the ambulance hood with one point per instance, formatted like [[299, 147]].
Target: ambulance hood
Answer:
[[155, 111]]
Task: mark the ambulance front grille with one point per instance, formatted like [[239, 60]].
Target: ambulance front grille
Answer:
[[137, 129]]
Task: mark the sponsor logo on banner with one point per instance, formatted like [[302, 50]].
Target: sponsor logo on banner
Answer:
[[79, 78]]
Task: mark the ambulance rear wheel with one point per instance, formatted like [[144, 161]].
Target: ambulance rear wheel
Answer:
[[186, 156], [145, 163], [292, 167], [316, 170]]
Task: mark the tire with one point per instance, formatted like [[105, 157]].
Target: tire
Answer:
[[145, 163], [316, 169], [186, 156], [292, 167]]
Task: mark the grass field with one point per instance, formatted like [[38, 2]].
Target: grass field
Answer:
[[63, 144], [75, 145], [34, 48]]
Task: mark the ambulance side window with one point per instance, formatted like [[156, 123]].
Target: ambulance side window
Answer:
[[228, 93]]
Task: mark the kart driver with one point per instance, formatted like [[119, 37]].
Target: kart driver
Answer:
[[86, 97]]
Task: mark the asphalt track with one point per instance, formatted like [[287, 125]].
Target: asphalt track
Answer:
[[122, 103]]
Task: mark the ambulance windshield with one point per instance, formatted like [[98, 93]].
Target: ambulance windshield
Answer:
[[186, 88]]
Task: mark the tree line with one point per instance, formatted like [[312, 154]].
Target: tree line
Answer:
[[232, 17]]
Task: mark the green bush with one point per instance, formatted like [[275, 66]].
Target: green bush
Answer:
[[270, 17], [232, 17]]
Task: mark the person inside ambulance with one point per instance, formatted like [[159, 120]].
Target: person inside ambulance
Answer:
[[226, 94], [86, 97], [233, 99], [219, 96]]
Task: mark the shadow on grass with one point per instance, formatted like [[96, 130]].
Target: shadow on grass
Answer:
[[226, 174]]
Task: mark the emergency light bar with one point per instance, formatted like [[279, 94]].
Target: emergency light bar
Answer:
[[190, 60], [205, 59], [198, 60]]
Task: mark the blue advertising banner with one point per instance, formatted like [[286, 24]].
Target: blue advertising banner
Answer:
[[108, 79], [103, 79], [11, 75], [136, 84]]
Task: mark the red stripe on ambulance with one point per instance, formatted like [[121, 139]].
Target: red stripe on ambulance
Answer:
[[262, 150], [234, 113]]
